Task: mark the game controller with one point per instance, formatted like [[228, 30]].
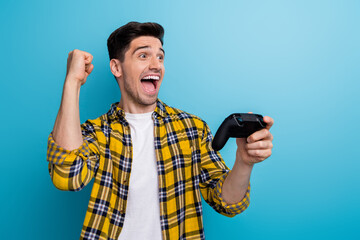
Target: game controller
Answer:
[[237, 125]]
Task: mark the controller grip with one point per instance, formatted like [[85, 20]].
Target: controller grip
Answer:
[[221, 137]]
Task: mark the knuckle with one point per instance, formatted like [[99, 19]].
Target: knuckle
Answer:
[[266, 132], [76, 51]]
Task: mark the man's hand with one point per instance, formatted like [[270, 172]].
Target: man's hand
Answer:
[[257, 147], [79, 66]]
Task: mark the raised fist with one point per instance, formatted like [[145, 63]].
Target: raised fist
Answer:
[[79, 66]]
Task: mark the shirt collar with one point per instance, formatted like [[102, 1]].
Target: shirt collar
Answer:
[[116, 112], [160, 109]]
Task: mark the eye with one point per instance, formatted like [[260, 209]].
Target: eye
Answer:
[[161, 57], [143, 55]]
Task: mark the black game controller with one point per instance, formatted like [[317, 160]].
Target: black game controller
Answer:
[[237, 125]]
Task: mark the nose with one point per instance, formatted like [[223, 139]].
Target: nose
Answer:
[[155, 63]]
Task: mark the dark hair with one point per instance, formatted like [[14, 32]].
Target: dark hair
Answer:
[[119, 40]]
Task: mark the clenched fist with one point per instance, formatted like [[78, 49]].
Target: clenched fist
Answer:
[[79, 66]]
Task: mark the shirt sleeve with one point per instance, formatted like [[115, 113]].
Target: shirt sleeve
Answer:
[[73, 170], [212, 176]]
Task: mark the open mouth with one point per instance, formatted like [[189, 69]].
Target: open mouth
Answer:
[[149, 83]]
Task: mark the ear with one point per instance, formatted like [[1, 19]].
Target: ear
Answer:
[[115, 67]]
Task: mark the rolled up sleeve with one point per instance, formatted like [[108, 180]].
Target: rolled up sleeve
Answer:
[[72, 170], [229, 209]]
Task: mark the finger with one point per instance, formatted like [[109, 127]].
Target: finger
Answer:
[[250, 112], [88, 57], [259, 145], [89, 68], [269, 122], [265, 153], [259, 135]]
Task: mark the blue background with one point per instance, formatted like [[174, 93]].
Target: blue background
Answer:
[[296, 61]]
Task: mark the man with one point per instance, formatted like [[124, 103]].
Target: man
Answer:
[[150, 161]]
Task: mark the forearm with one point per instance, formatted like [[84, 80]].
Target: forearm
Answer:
[[67, 128], [236, 183]]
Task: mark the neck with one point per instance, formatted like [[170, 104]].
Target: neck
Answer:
[[133, 107]]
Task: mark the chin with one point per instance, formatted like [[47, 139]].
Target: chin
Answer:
[[148, 100]]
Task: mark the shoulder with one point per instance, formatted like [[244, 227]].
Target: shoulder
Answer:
[[194, 126], [99, 121], [189, 119], [112, 114], [98, 125]]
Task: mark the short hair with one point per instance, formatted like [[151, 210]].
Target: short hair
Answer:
[[119, 40]]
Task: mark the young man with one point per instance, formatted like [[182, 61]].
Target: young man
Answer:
[[150, 162]]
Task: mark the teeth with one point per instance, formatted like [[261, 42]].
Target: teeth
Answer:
[[152, 77]]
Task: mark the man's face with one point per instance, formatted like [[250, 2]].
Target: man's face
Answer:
[[142, 71]]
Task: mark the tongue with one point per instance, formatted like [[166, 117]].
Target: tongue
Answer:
[[148, 86]]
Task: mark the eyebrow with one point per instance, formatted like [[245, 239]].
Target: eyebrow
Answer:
[[144, 47]]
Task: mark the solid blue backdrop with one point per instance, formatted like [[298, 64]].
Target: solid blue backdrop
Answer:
[[296, 61]]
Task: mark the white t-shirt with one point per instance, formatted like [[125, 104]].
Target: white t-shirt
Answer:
[[142, 217]]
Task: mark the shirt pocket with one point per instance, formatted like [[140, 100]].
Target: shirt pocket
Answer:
[[176, 158], [182, 163]]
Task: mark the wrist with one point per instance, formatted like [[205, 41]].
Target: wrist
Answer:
[[243, 160], [72, 83], [244, 164]]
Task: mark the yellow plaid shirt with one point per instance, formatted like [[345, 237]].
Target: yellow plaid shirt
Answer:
[[186, 165]]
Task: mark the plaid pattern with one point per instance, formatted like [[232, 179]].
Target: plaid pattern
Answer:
[[187, 166]]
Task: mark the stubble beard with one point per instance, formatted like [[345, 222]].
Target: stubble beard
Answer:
[[135, 97]]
